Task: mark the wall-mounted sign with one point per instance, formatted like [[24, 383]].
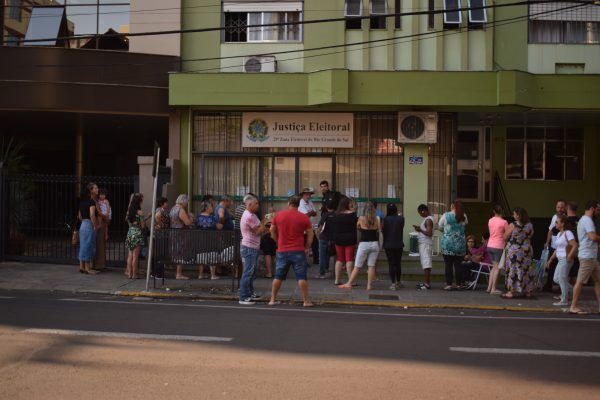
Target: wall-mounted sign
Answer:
[[415, 160], [264, 129]]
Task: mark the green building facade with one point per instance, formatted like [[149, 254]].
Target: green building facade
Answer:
[[513, 93]]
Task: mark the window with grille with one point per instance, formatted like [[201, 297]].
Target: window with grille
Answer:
[[544, 153], [244, 21], [562, 22], [237, 30]]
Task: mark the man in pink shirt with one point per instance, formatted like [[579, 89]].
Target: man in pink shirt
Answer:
[[288, 229], [250, 249]]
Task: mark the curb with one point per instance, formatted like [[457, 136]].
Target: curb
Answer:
[[346, 303]]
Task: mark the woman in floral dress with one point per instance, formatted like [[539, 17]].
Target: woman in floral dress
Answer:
[[519, 256], [135, 238]]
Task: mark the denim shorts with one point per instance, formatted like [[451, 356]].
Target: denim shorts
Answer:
[[295, 259], [495, 254]]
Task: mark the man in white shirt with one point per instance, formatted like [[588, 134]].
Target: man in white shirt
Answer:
[[306, 205], [589, 267], [308, 208]]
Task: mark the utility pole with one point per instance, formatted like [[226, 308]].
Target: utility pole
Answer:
[[2, 23], [97, 21]]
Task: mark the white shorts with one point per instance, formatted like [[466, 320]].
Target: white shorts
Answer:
[[367, 251], [425, 255]]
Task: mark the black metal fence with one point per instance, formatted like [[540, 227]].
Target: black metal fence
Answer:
[[39, 213]]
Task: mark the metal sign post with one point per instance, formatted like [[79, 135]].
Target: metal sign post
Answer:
[[151, 245]]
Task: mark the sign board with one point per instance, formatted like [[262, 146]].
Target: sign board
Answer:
[[415, 160], [269, 129]]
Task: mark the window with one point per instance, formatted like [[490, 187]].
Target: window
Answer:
[[563, 32], [236, 29], [431, 15], [15, 10], [353, 8], [452, 12], [560, 22], [479, 15], [12, 40], [398, 11], [549, 153], [378, 12]]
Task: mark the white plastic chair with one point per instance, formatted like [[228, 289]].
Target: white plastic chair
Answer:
[[484, 269]]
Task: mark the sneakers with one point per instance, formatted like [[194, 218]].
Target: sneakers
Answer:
[[247, 302], [319, 276], [560, 304], [423, 286], [255, 296]]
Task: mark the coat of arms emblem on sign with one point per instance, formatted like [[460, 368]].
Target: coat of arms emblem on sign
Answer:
[[258, 130]]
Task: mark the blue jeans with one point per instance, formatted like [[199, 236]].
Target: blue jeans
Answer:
[[294, 259], [250, 262], [323, 256]]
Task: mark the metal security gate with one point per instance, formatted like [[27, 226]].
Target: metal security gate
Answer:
[[39, 213], [440, 166]]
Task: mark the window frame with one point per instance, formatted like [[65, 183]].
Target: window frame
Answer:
[[545, 141], [473, 21], [360, 9], [446, 11], [262, 28]]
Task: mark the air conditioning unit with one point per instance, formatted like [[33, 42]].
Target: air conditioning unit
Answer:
[[417, 127], [260, 64]]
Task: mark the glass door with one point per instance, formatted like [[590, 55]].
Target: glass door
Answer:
[[284, 176], [469, 160]]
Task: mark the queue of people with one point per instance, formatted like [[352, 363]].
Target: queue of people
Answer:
[[286, 239]]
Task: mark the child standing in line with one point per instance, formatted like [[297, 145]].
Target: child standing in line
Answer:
[[425, 245], [105, 211], [268, 245]]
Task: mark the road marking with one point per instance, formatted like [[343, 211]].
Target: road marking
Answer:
[[283, 309], [7, 297], [558, 353], [127, 335]]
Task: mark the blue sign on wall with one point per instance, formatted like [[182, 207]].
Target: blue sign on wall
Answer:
[[415, 160]]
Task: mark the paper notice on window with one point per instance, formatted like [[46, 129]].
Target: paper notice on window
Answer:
[[391, 192], [352, 192], [242, 190]]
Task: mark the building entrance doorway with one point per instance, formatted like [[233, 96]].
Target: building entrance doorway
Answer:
[[285, 175], [473, 164]]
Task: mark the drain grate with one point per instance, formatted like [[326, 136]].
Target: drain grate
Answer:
[[383, 297]]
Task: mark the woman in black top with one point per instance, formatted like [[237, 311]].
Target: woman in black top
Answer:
[[341, 229], [87, 230], [393, 243]]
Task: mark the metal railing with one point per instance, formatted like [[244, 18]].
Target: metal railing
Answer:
[[500, 195], [198, 247]]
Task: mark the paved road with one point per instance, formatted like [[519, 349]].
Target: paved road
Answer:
[[325, 352]]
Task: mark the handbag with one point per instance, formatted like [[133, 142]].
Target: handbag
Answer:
[[75, 237], [502, 262]]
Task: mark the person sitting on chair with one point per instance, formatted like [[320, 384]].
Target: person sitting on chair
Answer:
[[475, 256]]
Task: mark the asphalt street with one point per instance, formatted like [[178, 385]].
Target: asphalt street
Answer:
[[548, 349]]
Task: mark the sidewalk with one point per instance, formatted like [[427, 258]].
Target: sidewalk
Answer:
[[65, 278]]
